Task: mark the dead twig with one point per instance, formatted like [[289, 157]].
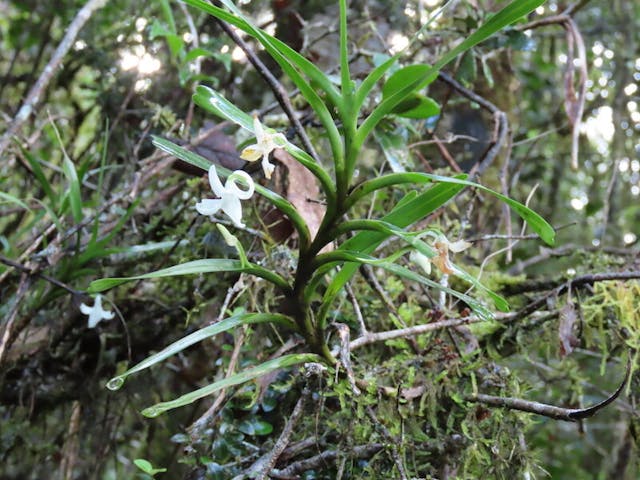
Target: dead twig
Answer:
[[574, 102], [392, 442], [500, 121]]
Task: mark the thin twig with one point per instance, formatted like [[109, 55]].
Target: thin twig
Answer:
[[408, 332], [8, 334], [345, 355], [44, 276], [356, 308], [36, 92], [499, 117], [569, 249], [328, 456], [574, 103]]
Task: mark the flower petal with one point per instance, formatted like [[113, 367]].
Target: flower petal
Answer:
[[267, 167], [214, 181], [257, 128], [459, 246], [251, 153], [421, 260], [209, 206]]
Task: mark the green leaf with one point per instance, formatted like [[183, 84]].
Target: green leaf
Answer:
[[191, 268], [387, 264], [423, 75], [508, 15], [534, 220], [207, 332], [289, 60], [394, 147], [417, 107], [237, 379], [40, 176], [255, 426], [217, 104], [74, 188], [413, 240], [147, 467]]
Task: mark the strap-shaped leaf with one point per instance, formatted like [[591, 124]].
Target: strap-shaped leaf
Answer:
[[207, 332], [290, 61], [424, 248], [210, 265], [339, 256], [403, 215], [535, 221], [237, 379]]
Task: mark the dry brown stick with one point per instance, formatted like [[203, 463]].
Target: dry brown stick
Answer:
[[574, 103], [356, 308], [578, 281], [504, 184], [36, 92], [8, 334], [71, 446], [31, 271], [345, 355]]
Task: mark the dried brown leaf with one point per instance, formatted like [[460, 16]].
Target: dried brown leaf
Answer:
[[568, 319]]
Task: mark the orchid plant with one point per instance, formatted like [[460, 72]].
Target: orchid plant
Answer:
[[347, 125]]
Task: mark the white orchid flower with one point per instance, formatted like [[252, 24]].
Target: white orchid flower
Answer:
[[265, 144], [441, 259], [230, 195], [96, 313]]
